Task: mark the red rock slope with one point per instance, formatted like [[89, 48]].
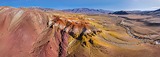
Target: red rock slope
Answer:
[[35, 33]]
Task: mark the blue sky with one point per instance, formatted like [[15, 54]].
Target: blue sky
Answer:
[[97, 4]]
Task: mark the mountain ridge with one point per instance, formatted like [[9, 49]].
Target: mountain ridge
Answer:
[[88, 11]]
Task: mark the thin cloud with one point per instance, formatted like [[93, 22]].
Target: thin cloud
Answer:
[[157, 7]]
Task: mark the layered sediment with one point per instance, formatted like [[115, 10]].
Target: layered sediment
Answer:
[[35, 33], [32, 32]]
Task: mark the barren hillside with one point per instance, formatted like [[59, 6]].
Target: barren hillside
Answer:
[[26, 32]]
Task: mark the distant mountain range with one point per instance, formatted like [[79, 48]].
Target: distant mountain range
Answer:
[[88, 11], [101, 11], [154, 13], [44, 9]]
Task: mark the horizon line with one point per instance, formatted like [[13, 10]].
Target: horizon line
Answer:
[[86, 7]]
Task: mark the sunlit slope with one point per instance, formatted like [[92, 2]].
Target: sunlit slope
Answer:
[[26, 32], [113, 42]]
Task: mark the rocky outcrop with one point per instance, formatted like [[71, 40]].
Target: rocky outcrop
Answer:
[[35, 33], [120, 13]]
